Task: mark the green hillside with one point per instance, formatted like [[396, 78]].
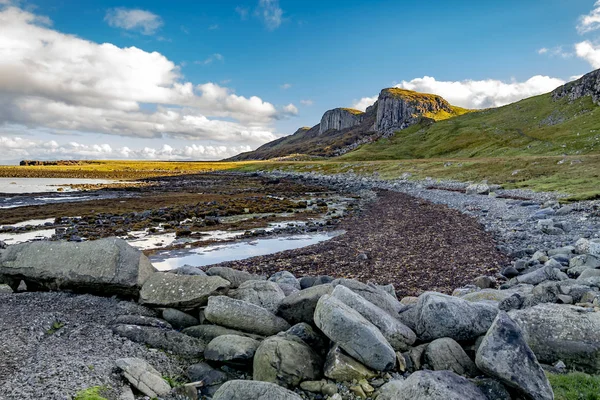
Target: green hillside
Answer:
[[534, 126]]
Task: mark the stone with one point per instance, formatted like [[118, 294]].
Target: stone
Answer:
[[234, 276], [184, 292], [171, 341], [358, 391], [207, 374], [357, 336], [126, 393], [179, 319], [409, 300], [206, 333], [492, 389], [265, 294], [397, 334], [374, 294], [187, 270], [510, 272], [300, 306], [540, 275], [312, 386], [588, 273], [307, 334], [231, 348], [143, 377], [431, 385], [504, 355], [285, 277], [415, 355], [582, 246], [439, 316], [446, 354], [343, 368], [286, 361], [308, 281], [5, 289], [485, 282], [142, 321], [478, 188], [106, 267], [253, 390], [584, 260], [562, 332], [287, 289], [489, 295], [248, 317]]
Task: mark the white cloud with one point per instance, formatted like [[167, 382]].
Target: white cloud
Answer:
[[574, 77], [285, 86], [543, 50], [590, 22], [307, 102], [242, 12], [291, 109], [270, 12], [363, 103], [557, 51], [65, 84], [213, 27], [589, 52], [209, 60], [142, 21]]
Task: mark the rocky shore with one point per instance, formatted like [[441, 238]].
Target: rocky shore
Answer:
[[224, 333]]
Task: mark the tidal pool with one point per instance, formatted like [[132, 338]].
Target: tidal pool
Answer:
[[42, 185]]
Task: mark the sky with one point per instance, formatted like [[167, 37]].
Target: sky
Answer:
[[205, 80]]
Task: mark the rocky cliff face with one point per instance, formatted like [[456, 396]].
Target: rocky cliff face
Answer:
[[398, 109], [340, 118], [587, 85]]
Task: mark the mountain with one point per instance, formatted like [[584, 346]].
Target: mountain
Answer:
[[344, 129]]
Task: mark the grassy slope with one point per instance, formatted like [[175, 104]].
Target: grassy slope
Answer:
[[518, 129]]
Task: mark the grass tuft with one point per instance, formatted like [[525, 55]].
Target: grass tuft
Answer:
[[575, 386], [92, 393]]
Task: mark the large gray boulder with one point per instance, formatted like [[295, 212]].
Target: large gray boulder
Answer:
[[357, 336], [248, 317], [179, 319], [398, 335], [143, 377], [285, 278], [446, 354], [375, 294], [546, 273], [234, 276], [231, 348], [286, 360], [106, 266], [343, 368], [561, 332], [206, 333], [185, 292], [171, 341], [439, 315], [431, 385], [253, 390], [300, 306], [266, 294], [504, 355]]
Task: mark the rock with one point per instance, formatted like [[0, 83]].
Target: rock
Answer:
[[265, 294], [588, 273], [582, 246], [339, 118], [544, 213], [308, 281], [231, 348], [409, 300], [179, 319], [431, 385], [253, 390], [565, 250], [286, 361], [184, 292], [540, 275], [343, 368], [446, 354], [126, 393], [187, 270], [504, 355], [478, 188], [492, 389], [287, 289], [307, 334], [489, 295], [106, 267], [357, 336], [439, 316], [300, 306], [143, 377], [172, 341], [561, 332], [485, 282], [415, 356], [142, 321], [5, 289], [234, 276], [397, 334], [248, 317], [286, 278], [207, 374], [374, 294], [206, 333]]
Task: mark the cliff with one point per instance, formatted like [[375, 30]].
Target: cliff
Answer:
[[340, 118], [587, 85]]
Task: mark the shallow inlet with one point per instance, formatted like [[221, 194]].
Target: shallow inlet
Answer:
[[215, 254], [43, 185]]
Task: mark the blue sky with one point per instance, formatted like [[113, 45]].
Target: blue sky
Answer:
[[260, 69]]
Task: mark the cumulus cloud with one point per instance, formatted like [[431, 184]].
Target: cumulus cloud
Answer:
[[67, 84], [589, 52], [142, 21], [307, 102], [291, 109], [210, 59], [590, 22], [270, 13], [363, 103], [285, 86]]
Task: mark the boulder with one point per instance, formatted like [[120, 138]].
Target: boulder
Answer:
[[286, 360], [179, 319], [308, 281], [343, 368], [431, 385], [374, 294], [211, 378], [231, 348], [547, 273], [307, 334], [562, 332], [285, 278], [141, 321], [504, 355], [5, 289], [185, 292], [265, 294], [187, 270], [583, 246], [300, 306], [490, 295], [440, 315], [445, 354], [206, 333], [398, 335], [357, 336], [253, 390], [171, 341], [478, 188], [107, 266], [143, 377], [234, 276], [248, 317]]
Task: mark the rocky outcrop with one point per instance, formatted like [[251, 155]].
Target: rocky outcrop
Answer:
[[398, 109], [587, 85], [340, 118]]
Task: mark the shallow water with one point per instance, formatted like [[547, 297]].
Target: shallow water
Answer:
[[41, 185], [14, 238], [215, 254]]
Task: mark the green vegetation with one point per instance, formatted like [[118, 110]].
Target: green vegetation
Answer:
[[353, 111], [92, 393], [56, 325], [575, 386], [174, 381]]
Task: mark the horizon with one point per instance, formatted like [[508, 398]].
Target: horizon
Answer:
[[201, 82]]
